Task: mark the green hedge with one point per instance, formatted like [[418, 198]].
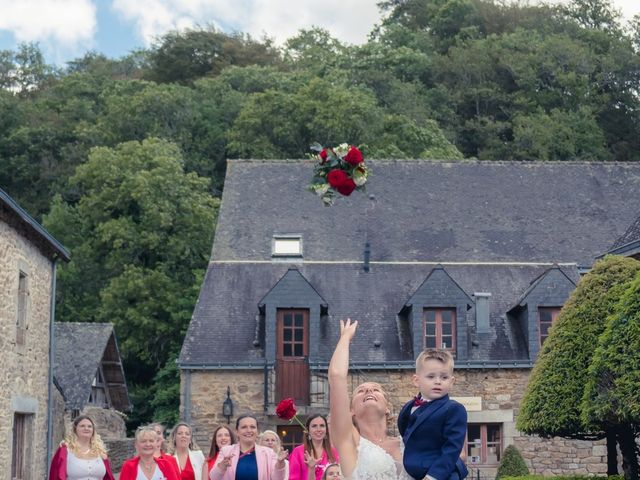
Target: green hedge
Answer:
[[563, 477], [512, 464]]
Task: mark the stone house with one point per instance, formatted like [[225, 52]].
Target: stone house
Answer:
[[88, 369], [28, 258], [476, 257]]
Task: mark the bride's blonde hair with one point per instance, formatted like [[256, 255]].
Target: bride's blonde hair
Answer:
[[96, 446]]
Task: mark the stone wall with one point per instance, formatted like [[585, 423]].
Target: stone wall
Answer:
[[209, 390], [119, 450], [109, 423], [59, 420], [24, 368], [495, 393]]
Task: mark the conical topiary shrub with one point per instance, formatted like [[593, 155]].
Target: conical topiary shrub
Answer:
[[512, 464]]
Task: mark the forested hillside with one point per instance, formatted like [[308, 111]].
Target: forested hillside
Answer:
[[123, 160]]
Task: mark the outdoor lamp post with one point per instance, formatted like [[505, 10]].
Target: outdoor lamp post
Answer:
[[227, 406]]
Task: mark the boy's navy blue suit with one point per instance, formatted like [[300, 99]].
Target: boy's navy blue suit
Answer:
[[433, 438]]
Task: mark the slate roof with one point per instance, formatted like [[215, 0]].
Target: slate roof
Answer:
[[433, 211], [14, 214], [80, 348], [494, 226], [629, 242]]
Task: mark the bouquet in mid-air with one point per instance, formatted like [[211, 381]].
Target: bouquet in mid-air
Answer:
[[339, 170]]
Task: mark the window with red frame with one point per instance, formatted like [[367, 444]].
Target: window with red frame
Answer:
[[440, 328], [546, 317], [484, 443], [290, 436]]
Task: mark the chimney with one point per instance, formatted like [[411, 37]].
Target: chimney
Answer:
[[367, 255], [482, 311]]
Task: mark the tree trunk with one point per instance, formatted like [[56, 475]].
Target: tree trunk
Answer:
[[627, 442], [612, 453]]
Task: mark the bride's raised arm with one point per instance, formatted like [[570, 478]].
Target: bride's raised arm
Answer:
[[343, 433]]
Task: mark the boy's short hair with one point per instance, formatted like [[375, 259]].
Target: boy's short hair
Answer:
[[443, 356]]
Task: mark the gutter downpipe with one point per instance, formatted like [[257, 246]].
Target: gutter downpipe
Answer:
[[187, 396], [52, 316]]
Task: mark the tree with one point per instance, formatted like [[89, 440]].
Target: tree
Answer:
[[612, 393], [140, 234], [185, 56], [24, 70], [511, 464], [551, 405]]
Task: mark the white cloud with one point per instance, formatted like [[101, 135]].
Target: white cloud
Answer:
[[65, 23], [348, 20], [153, 18]]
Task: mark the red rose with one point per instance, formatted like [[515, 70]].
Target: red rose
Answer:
[[353, 156], [346, 187], [323, 155], [337, 177], [286, 409]]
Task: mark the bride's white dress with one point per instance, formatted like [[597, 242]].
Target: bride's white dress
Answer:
[[374, 463]]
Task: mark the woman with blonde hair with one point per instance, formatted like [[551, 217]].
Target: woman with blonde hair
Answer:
[[146, 465], [189, 457], [359, 425], [271, 439], [82, 454]]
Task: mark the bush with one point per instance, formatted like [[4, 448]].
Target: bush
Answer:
[[512, 464], [563, 477]]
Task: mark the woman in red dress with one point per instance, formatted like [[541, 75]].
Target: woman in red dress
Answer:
[[221, 436], [188, 456]]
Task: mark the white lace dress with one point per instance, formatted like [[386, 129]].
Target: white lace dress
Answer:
[[374, 463]]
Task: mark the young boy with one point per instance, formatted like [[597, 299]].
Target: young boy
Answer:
[[433, 427]]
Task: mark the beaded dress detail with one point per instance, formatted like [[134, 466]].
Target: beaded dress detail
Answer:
[[374, 463]]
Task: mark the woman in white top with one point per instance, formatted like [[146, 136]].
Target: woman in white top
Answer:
[[189, 457], [366, 451], [82, 455]]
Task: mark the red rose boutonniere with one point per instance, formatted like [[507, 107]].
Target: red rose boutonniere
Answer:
[[339, 170], [286, 410]]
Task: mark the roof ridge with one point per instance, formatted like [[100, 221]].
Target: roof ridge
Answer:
[[470, 161]]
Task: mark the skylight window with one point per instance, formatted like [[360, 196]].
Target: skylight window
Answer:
[[287, 246]]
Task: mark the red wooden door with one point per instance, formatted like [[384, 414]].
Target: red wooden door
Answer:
[[292, 353]]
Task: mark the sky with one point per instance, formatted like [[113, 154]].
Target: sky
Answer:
[[66, 29]]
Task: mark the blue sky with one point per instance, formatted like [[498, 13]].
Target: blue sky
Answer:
[[66, 29]]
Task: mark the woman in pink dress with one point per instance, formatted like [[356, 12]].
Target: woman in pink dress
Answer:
[[309, 460]]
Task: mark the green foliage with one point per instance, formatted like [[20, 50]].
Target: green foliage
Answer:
[[561, 477], [551, 403], [140, 233], [183, 57], [511, 464], [277, 124], [612, 393]]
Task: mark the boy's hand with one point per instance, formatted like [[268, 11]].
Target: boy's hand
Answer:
[[348, 328]]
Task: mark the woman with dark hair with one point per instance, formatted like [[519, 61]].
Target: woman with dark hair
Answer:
[[188, 456], [82, 454], [309, 460], [246, 460], [221, 436]]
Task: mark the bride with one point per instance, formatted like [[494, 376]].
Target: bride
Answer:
[[366, 451]]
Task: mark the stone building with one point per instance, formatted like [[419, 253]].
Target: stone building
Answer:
[[476, 257], [28, 257], [88, 369]]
